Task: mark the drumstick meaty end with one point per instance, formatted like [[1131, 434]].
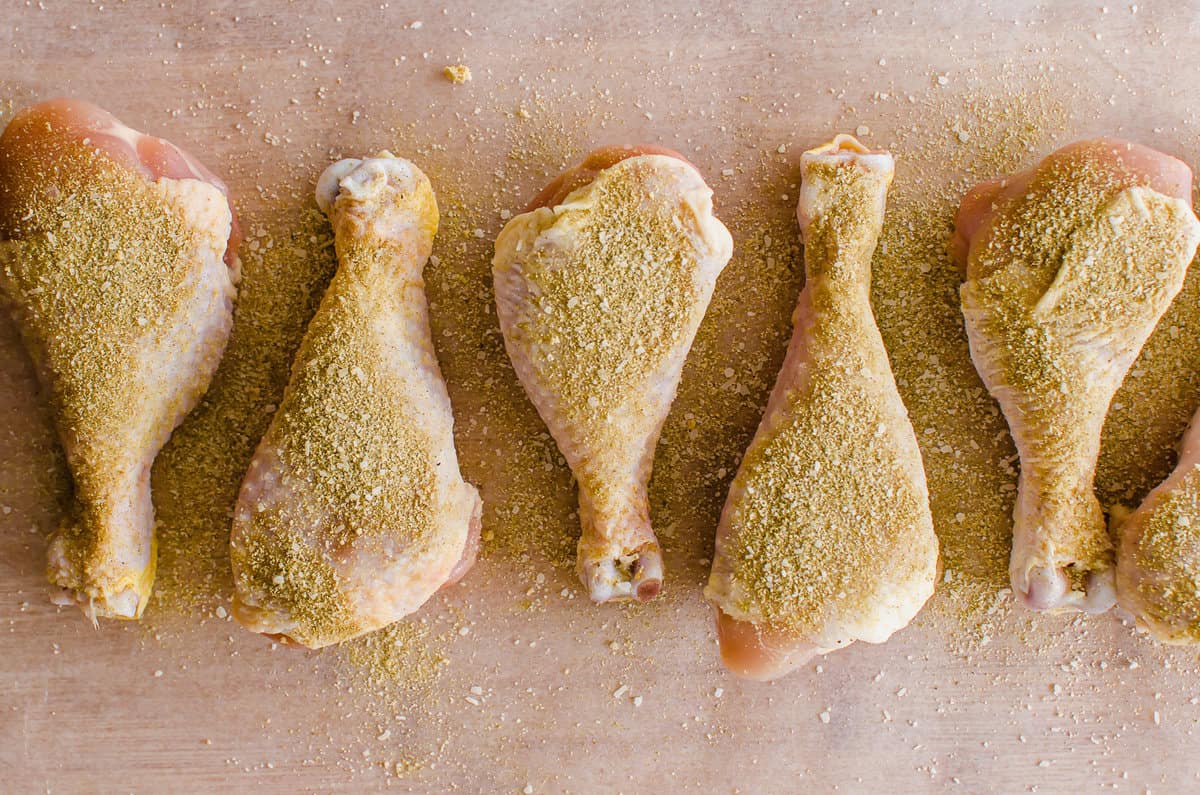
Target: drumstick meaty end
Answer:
[[600, 288]]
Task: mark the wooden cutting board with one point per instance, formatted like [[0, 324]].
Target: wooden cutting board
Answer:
[[513, 682]]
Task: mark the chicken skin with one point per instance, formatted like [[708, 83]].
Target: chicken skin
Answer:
[[1158, 551], [119, 268], [600, 287], [1069, 267], [826, 536], [354, 512]]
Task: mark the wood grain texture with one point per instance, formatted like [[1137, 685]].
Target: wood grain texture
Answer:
[[267, 93]]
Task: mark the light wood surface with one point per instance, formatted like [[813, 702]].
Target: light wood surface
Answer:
[[968, 699]]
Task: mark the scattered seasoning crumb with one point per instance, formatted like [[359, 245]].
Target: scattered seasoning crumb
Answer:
[[457, 73]]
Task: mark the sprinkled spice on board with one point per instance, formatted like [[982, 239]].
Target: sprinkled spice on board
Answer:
[[969, 459], [730, 369], [1154, 404], [398, 656], [734, 360], [529, 508], [286, 263]]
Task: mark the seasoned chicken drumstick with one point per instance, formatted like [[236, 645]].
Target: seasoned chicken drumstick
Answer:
[[1158, 551], [119, 265], [826, 536], [600, 288], [354, 512], [1068, 268]]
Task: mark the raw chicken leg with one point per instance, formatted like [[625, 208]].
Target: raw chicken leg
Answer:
[[354, 512], [826, 536], [1068, 268], [600, 288], [119, 266], [1158, 554]]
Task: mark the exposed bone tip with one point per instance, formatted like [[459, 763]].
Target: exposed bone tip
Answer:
[[1101, 591], [647, 573], [363, 177], [844, 142], [124, 605], [637, 575], [847, 148], [648, 589], [1048, 590], [329, 183], [843, 150]]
